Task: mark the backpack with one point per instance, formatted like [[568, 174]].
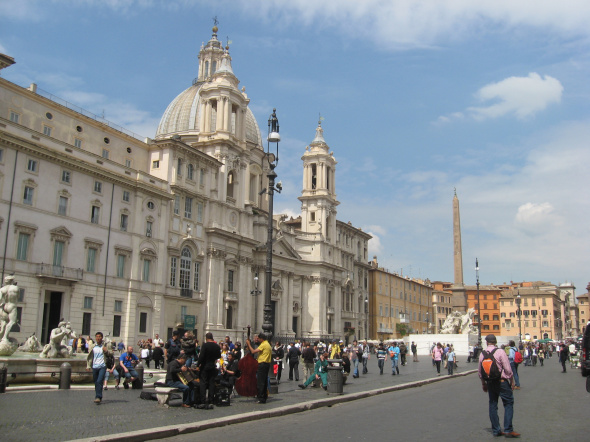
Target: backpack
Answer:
[[489, 367], [517, 357]]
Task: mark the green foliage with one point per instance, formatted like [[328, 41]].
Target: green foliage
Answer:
[[403, 329]]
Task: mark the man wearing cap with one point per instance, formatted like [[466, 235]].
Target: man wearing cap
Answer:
[[504, 390]]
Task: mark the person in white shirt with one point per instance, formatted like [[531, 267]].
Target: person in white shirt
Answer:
[[157, 341]]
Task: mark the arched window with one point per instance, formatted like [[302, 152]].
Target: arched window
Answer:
[[185, 269]]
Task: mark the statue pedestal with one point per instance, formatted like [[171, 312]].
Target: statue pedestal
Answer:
[[460, 343]]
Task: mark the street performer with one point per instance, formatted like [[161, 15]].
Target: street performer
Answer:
[[177, 368], [264, 357]]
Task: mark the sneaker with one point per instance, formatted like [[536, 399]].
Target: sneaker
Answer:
[[105, 388], [512, 434], [325, 388], [302, 386], [97, 401]]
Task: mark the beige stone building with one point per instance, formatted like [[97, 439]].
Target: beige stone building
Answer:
[[136, 236], [442, 304], [396, 300], [584, 311]]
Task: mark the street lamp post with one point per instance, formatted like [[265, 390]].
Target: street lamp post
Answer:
[[366, 317], [273, 160], [519, 313], [478, 304], [255, 293]]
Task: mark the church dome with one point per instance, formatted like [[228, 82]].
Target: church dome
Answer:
[[183, 114]]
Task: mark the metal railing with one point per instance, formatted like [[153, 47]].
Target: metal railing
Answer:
[[186, 293], [59, 272]]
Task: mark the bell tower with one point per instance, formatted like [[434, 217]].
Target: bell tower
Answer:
[[318, 198]]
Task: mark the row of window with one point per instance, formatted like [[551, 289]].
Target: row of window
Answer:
[[92, 257], [188, 207], [48, 130], [399, 313]]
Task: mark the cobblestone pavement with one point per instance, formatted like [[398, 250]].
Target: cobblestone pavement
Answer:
[[57, 415]]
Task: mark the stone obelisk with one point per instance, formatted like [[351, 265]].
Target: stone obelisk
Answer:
[[458, 289]]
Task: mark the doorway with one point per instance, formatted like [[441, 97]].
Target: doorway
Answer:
[[51, 314]]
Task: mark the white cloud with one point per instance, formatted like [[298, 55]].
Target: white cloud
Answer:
[[521, 96], [525, 219]]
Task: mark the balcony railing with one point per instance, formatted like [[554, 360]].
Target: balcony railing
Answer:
[[186, 293], [60, 272]]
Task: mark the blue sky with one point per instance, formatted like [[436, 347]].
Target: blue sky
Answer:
[[419, 97]]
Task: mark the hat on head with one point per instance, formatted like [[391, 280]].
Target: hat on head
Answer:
[[491, 339]]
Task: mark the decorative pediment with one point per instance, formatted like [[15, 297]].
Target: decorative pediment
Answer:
[[232, 262], [60, 234], [94, 243], [30, 182], [19, 226], [64, 193], [123, 250], [96, 203], [281, 247], [148, 252]]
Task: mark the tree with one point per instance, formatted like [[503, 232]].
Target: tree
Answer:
[[403, 329]]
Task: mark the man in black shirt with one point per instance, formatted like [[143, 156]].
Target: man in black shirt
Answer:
[[293, 358], [309, 356], [230, 371], [175, 367], [207, 363]]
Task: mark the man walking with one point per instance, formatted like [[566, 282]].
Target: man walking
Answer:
[[564, 355], [293, 358], [96, 362], [394, 355], [414, 349], [498, 381]]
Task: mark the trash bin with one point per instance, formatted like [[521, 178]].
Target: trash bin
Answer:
[[335, 378]]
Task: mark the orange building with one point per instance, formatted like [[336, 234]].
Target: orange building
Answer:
[[489, 300]]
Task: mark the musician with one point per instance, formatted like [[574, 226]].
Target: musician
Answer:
[[230, 371], [175, 367], [207, 363], [264, 357]]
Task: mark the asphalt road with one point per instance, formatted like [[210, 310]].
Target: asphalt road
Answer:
[[550, 406]]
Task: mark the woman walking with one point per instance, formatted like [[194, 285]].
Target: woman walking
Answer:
[[437, 354]]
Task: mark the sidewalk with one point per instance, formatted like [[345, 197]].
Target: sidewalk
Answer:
[[57, 415]]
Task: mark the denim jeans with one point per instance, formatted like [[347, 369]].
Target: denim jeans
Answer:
[[450, 367], [394, 366], [187, 392], [108, 374], [514, 368], [380, 363], [131, 373], [356, 367], [98, 377], [365, 371], [504, 392]]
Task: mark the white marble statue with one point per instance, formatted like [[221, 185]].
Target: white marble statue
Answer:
[[8, 315], [8, 299], [459, 323], [56, 347], [32, 345]]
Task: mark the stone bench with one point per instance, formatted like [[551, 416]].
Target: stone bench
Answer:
[[164, 394]]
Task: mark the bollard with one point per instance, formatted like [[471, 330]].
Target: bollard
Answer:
[[65, 376], [139, 370], [3, 378]]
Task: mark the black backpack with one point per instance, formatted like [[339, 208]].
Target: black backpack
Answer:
[[489, 367]]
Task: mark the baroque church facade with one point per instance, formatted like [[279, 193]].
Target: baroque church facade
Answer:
[[135, 236]]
